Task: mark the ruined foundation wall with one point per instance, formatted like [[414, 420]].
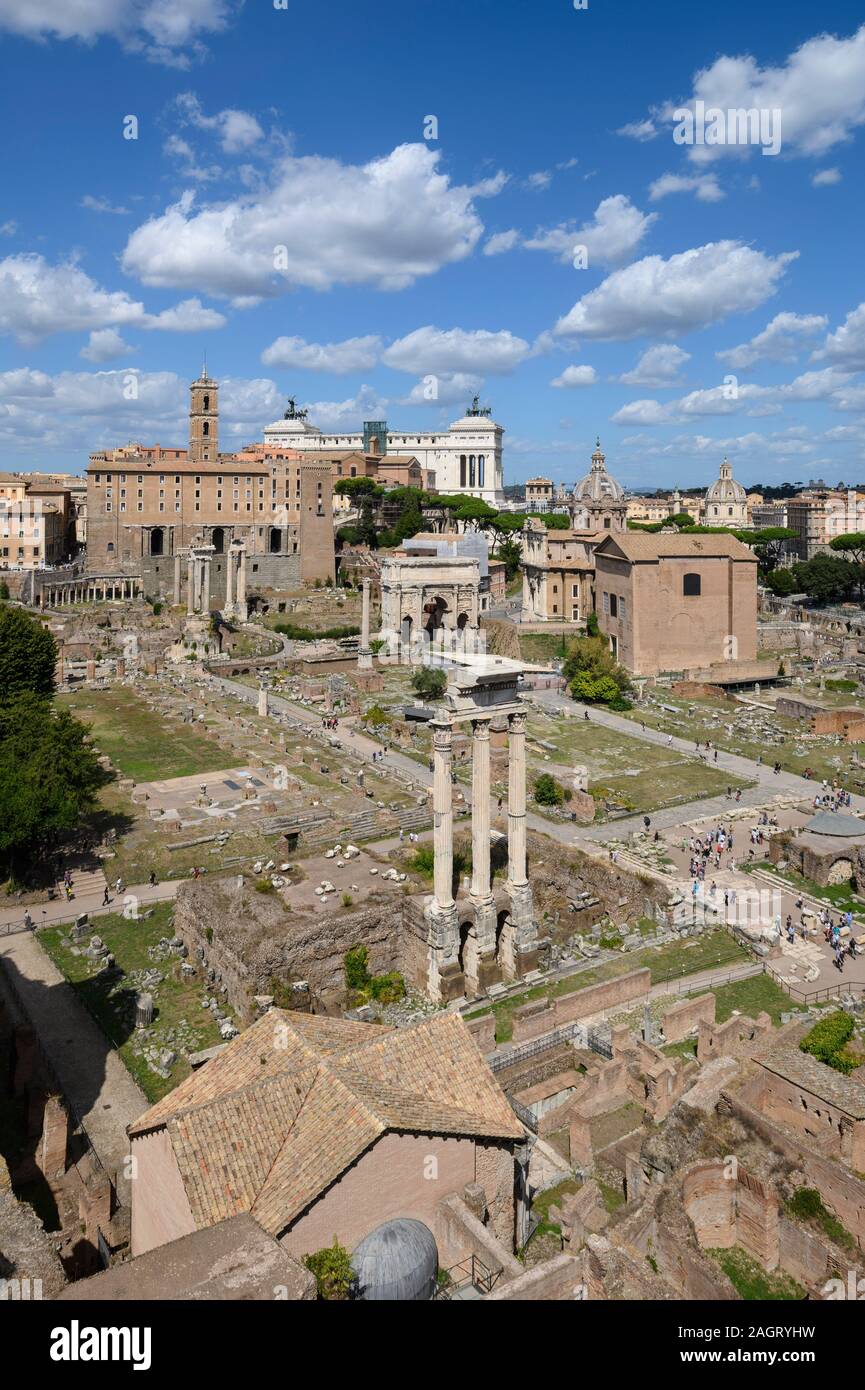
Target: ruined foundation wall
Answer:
[[248, 940]]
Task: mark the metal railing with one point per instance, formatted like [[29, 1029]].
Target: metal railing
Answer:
[[469, 1273]]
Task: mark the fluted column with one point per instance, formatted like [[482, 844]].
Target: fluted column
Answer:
[[205, 585], [241, 583], [481, 809], [364, 659], [229, 580], [517, 801], [443, 819], [190, 585], [176, 579]]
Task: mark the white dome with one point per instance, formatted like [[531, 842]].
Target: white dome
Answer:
[[598, 485], [726, 489]]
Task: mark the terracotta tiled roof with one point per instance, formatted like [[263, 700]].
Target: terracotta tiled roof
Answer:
[[273, 1120], [644, 545]]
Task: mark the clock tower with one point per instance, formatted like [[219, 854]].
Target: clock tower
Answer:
[[203, 419]]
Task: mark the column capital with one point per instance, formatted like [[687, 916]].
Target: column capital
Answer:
[[442, 735], [517, 722], [481, 729]]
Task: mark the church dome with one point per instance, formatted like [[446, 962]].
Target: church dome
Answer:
[[726, 489], [598, 485], [397, 1262]]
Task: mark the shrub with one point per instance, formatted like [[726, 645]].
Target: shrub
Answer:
[[387, 989], [264, 886], [347, 900], [335, 1278], [806, 1203], [356, 962], [430, 682], [547, 791], [308, 634], [593, 628], [827, 1038]]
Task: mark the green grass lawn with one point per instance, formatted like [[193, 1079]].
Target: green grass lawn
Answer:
[[700, 725], [140, 742], [625, 771], [676, 960], [112, 1001], [753, 996], [752, 1281]]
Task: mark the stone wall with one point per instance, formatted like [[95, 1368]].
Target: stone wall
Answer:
[[249, 939], [840, 1190], [558, 876], [558, 1279], [682, 1018], [534, 1019]]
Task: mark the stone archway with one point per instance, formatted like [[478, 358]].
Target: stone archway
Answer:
[[841, 871], [434, 612], [505, 942], [157, 541], [217, 539]]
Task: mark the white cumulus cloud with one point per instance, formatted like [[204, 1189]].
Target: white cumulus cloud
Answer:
[[576, 376], [782, 340], [384, 223], [617, 227], [350, 355], [655, 297], [432, 350]]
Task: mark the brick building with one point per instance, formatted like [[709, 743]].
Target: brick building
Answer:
[[677, 602], [146, 504], [320, 1128]]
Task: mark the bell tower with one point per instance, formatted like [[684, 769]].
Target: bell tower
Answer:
[[203, 419]]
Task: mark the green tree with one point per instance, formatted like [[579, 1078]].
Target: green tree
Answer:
[[510, 551], [28, 655], [768, 544], [547, 791], [592, 672], [430, 682], [4, 591], [49, 777], [852, 547], [335, 1278], [593, 628], [781, 582], [827, 579]]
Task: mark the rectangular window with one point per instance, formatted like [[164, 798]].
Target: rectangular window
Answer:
[[622, 609], [614, 606], [606, 603]]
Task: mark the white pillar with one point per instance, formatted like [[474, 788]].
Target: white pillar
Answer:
[[517, 801], [364, 659], [205, 584], [481, 809], [176, 579], [241, 583], [443, 818], [229, 580], [190, 585]]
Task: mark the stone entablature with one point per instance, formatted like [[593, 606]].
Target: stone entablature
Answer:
[[425, 594]]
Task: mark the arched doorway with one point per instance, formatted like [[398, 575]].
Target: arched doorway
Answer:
[[275, 542], [157, 541], [405, 630], [435, 612], [462, 621], [217, 540]]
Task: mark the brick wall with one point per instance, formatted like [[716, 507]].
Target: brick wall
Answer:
[[682, 1018]]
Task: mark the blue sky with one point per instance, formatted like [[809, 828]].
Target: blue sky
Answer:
[[282, 211]]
